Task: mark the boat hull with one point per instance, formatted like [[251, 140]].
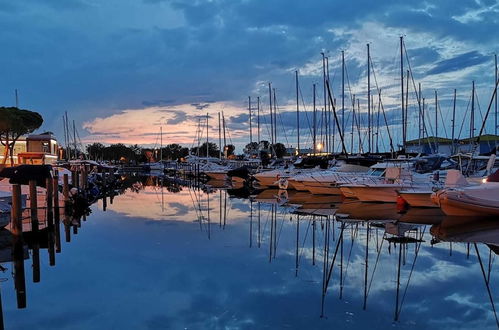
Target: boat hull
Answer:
[[418, 199], [375, 193], [219, 176], [455, 206], [324, 190]]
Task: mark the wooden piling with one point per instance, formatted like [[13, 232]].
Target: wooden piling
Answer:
[[18, 250], [73, 178], [33, 204], [57, 215], [50, 221], [16, 212], [19, 274], [65, 189]]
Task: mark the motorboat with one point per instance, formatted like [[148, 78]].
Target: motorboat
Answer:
[[478, 200]]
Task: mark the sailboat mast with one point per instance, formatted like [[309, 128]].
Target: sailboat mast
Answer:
[[275, 115], [343, 91], [324, 83], [74, 137], [423, 119], [472, 120], [219, 136], [377, 123], [368, 99], [402, 89], [258, 117], [271, 116], [225, 139], [406, 102], [436, 122], [297, 116], [314, 124], [207, 138], [250, 128], [353, 121], [495, 98], [453, 119], [161, 143], [65, 136]]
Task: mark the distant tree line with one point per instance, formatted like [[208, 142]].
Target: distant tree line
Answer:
[[135, 153]]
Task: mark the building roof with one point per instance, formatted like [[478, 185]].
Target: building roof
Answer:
[[483, 138], [41, 137], [429, 139]]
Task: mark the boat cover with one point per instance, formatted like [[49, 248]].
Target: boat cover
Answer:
[[22, 174]]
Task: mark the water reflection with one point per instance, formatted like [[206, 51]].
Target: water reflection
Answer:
[[276, 259]]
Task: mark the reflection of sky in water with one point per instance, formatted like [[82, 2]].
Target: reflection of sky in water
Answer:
[[126, 269]]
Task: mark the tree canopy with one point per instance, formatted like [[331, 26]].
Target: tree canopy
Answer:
[[14, 123]]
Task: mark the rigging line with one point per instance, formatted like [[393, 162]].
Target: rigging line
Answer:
[[280, 230], [376, 262], [482, 128], [265, 225], [487, 285], [464, 118], [304, 240], [330, 271], [265, 120], [418, 97], [478, 105], [282, 123], [353, 238], [305, 108], [381, 103], [412, 268], [443, 122]]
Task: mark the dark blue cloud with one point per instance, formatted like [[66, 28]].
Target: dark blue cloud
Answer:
[[459, 62], [198, 51]]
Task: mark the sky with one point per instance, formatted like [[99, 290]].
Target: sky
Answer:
[[124, 68]]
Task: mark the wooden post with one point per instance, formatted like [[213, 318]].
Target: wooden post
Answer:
[[50, 221], [16, 212], [18, 250], [65, 189], [84, 178], [33, 204], [57, 215], [33, 197], [19, 274], [77, 177], [73, 178], [67, 227]]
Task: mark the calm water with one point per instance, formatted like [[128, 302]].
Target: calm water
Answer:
[[158, 259]]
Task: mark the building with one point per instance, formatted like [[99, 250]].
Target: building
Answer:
[[34, 149], [488, 143], [429, 145]]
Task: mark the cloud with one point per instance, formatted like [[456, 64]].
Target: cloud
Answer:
[[192, 52], [458, 63], [179, 117]]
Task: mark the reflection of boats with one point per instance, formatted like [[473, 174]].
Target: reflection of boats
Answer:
[[367, 211], [217, 183], [302, 198], [467, 229], [272, 196], [217, 175], [423, 216]]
